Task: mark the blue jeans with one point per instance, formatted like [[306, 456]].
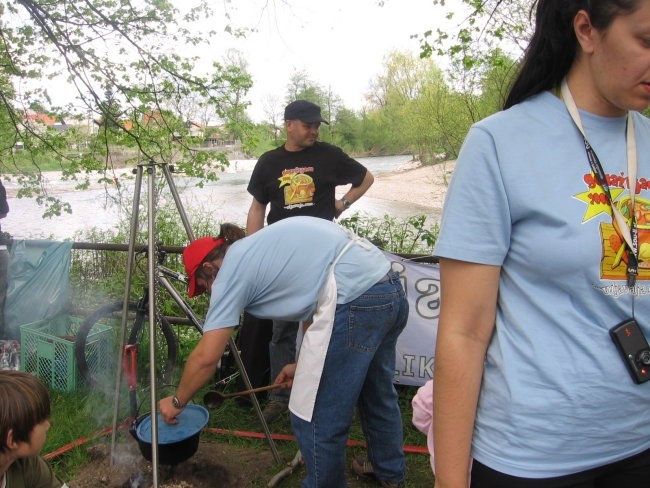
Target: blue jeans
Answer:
[[282, 351], [358, 371]]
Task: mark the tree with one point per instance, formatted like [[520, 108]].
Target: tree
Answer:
[[484, 49], [301, 87], [348, 131], [486, 26], [273, 111], [406, 95], [110, 47]]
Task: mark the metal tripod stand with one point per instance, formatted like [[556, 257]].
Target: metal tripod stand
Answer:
[[150, 167]]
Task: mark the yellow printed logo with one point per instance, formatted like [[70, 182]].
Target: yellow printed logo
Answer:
[[298, 186], [614, 258]]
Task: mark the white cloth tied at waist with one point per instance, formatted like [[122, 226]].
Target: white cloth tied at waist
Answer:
[[315, 342]]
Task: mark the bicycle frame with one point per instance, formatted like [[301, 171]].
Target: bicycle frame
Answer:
[[162, 274]]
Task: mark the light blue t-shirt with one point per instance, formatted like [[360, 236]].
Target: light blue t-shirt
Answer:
[[278, 271], [556, 397]]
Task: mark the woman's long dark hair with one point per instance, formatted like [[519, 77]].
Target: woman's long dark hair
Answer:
[[553, 47]]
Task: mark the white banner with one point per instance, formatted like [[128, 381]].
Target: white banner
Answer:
[[416, 345]]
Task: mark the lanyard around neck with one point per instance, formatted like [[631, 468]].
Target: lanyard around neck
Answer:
[[628, 231]]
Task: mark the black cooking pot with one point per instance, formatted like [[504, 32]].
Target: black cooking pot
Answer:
[[176, 442]]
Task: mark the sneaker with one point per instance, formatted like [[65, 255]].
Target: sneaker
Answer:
[[274, 410], [362, 467]]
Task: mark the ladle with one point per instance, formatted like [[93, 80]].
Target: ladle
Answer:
[[214, 399]]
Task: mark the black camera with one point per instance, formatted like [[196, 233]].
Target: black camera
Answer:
[[634, 349]]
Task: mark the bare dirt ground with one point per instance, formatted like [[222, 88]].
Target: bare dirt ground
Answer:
[[214, 464], [422, 185]]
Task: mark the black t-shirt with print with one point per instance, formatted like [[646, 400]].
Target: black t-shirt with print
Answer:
[[303, 182]]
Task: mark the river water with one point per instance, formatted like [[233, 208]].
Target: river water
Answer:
[[225, 199]]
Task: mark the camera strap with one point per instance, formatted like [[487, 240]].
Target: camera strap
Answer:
[[626, 227]]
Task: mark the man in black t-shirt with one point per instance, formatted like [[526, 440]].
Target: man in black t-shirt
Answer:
[[300, 178]]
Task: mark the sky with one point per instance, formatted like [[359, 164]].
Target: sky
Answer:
[[340, 44]]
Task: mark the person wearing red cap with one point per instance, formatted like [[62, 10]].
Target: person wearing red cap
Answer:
[[299, 178], [314, 271], [194, 256]]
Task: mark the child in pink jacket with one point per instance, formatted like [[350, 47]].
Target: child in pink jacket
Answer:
[[423, 415]]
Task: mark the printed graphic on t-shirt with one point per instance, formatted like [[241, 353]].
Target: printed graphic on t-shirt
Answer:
[[299, 187], [614, 259]]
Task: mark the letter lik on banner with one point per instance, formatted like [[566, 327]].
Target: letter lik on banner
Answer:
[[416, 345]]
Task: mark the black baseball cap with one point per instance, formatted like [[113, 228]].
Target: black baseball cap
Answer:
[[305, 111]]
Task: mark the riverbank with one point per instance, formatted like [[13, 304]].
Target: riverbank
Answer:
[[411, 183], [402, 189], [414, 183]]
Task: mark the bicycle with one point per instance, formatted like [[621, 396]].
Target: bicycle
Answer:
[[97, 365]]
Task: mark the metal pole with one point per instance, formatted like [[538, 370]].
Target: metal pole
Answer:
[[235, 352], [125, 307], [177, 200], [152, 326]]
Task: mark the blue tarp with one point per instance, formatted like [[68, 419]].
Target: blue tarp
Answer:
[[38, 282]]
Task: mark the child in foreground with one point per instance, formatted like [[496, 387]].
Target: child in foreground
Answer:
[[24, 422]]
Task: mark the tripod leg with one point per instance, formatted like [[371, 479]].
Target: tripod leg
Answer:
[[177, 200], [256, 404], [125, 308], [151, 257]]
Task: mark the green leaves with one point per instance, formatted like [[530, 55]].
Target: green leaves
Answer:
[[129, 85], [485, 26], [412, 235]]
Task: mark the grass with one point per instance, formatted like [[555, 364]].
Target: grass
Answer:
[[22, 162], [84, 413]]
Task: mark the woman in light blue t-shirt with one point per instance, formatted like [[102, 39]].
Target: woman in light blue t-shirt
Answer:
[[540, 260]]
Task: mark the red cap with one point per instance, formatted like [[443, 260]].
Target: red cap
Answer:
[[193, 256]]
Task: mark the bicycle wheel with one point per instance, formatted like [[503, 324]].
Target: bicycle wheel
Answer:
[[166, 351], [98, 339]]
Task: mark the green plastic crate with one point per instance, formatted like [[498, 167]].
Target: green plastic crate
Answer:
[[47, 349]]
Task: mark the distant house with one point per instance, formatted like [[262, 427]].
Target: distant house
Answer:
[[219, 136], [153, 118], [41, 122], [60, 126], [35, 119], [125, 124], [195, 129]]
